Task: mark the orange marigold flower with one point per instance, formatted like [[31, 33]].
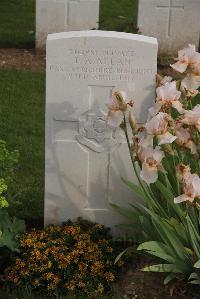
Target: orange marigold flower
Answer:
[[40, 245], [51, 277], [98, 226], [109, 276], [81, 284], [36, 282], [72, 230], [24, 272], [97, 267], [103, 241], [109, 249], [71, 285], [82, 266], [19, 263]]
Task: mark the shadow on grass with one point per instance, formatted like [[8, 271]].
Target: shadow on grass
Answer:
[[17, 23]]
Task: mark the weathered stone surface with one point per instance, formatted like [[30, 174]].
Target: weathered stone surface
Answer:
[[64, 15], [175, 23], [85, 158]]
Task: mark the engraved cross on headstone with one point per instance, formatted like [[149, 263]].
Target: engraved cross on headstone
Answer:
[[67, 10], [92, 137], [170, 8]]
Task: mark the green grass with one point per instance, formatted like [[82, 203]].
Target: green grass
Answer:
[[118, 15], [17, 23], [22, 126], [17, 20]]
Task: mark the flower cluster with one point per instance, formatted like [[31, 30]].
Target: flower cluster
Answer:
[[76, 257], [3, 188], [172, 130]]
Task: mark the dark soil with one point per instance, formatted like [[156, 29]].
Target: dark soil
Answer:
[[22, 59], [143, 285]]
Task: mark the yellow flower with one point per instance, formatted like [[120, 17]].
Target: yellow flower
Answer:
[[71, 285], [78, 276], [100, 288], [83, 236], [27, 242], [51, 287], [64, 263], [41, 269], [24, 272], [36, 282], [120, 263], [48, 276]]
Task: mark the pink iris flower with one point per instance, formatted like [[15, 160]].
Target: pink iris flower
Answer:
[[191, 189], [158, 126], [192, 117], [117, 106], [151, 161], [184, 138], [188, 57]]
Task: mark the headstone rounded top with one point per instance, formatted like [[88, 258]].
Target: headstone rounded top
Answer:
[[101, 33]]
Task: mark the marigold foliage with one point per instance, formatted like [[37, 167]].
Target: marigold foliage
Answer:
[[76, 257]]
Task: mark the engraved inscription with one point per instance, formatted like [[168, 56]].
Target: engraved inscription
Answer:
[[101, 65]]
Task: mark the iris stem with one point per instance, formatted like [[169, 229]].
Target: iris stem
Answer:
[[131, 155]]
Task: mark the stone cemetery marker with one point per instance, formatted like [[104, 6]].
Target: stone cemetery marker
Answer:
[[64, 15], [175, 23], [85, 158]]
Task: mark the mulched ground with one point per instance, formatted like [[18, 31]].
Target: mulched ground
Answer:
[[136, 284], [22, 59]]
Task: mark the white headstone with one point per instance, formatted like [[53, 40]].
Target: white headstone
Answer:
[[85, 158], [64, 15], [175, 23]]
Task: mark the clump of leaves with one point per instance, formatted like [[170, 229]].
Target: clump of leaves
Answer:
[[10, 227], [8, 160]]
